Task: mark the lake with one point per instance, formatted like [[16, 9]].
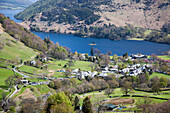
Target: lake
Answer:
[[10, 14], [80, 44]]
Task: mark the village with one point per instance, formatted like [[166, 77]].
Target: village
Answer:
[[129, 70], [65, 70]]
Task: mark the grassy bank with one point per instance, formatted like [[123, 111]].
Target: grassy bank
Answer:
[[14, 49], [159, 75]]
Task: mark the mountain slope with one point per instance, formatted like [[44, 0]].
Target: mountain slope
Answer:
[[150, 14], [21, 34], [14, 4], [112, 19], [12, 49]]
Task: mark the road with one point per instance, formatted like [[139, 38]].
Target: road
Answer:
[[16, 90], [25, 76]]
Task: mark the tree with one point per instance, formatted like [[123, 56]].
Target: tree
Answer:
[[125, 55], [12, 109], [10, 81], [127, 87], [143, 86], [155, 84], [3, 95], [67, 72], [86, 56], [109, 52], [70, 63], [76, 103], [97, 52], [59, 103], [144, 102], [29, 105], [87, 106], [92, 51], [163, 81], [112, 83], [108, 91], [38, 63], [93, 67]]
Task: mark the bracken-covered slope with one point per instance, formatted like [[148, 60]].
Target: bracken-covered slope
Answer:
[[112, 19], [150, 14], [21, 34]]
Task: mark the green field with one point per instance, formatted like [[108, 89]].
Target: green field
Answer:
[[14, 49], [1, 91], [32, 69], [43, 89], [159, 75], [83, 65], [58, 74], [4, 74], [37, 90], [165, 57], [96, 96]]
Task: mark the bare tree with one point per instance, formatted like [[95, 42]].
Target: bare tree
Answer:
[[109, 91]]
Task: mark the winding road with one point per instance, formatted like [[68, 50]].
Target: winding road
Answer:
[[16, 90]]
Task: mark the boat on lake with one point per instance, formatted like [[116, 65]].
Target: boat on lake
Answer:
[[92, 44]]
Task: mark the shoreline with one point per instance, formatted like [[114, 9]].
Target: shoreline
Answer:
[[131, 39]]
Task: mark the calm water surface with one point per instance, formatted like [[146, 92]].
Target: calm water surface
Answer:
[[80, 44], [10, 14]]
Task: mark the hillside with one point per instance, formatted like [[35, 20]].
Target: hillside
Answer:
[[70, 14], [110, 19], [15, 4], [14, 49], [21, 34]]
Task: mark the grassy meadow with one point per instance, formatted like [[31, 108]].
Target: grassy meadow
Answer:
[[165, 57], [83, 65], [4, 74], [159, 75], [32, 69], [96, 96], [15, 49]]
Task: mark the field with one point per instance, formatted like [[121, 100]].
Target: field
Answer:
[[83, 65], [4, 74], [159, 75], [99, 96], [33, 70], [165, 57], [14, 49], [37, 90], [1, 91]]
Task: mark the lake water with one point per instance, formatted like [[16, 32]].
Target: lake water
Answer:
[[80, 44], [10, 14]]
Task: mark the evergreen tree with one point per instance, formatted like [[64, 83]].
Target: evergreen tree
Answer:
[[87, 106], [76, 103], [92, 51]]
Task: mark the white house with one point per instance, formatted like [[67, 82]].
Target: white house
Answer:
[[103, 74], [33, 62], [24, 81]]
